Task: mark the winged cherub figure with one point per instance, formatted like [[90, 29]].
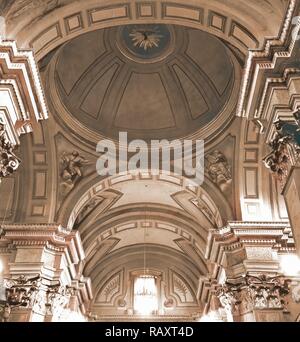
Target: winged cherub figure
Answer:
[[71, 165]]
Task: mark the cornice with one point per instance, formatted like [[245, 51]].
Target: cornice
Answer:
[[274, 49], [240, 235], [23, 60], [53, 236]]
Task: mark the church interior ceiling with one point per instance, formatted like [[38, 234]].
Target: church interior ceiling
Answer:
[[216, 71]]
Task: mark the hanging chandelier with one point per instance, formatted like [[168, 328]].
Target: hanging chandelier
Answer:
[[145, 295]]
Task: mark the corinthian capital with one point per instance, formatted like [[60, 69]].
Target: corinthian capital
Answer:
[[9, 162]]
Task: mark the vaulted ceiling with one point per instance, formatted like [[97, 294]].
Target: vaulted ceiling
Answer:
[[99, 80], [168, 90]]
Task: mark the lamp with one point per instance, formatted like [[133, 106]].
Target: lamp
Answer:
[[145, 290], [145, 295]]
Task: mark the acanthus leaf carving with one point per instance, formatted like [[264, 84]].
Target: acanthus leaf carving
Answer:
[[254, 292], [181, 290], [111, 289], [9, 162], [285, 148]]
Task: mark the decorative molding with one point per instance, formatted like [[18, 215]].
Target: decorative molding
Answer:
[[179, 11], [113, 12], [21, 63], [254, 292], [68, 22], [241, 34], [217, 21], [243, 237], [111, 290], [145, 9], [259, 61], [179, 289], [101, 186], [251, 182], [71, 170], [285, 147], [74, 23], [9, 162], [47, 37], [218, 169], [22, 101]]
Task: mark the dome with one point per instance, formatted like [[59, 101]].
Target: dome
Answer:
[[152, 81]]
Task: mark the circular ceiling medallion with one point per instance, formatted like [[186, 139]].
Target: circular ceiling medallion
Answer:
[[145, 43]]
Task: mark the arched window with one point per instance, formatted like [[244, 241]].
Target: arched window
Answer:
[[145, 295]]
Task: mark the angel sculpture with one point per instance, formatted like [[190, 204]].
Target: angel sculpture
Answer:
[[218, 169], [71, 170]]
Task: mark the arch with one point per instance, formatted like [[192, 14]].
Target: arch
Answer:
[[45, 28], [115, 271], [90, 188]]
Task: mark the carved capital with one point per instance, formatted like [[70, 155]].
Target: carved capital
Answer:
[[9, 162], [21, 291], [254, 292], [58, 298], [32, 293]]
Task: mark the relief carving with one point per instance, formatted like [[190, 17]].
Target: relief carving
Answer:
[[218, 170], [285, 148], [58, 298], [71, 170], [181, 290], [111, 290], [204, 209], [9, 162], [87, 209], [31, 293], [254, 292], [20, 292]]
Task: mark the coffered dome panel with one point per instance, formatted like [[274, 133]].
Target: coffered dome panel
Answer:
[[153, 81], [144, 112]]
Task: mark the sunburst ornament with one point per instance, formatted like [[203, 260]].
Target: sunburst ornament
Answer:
[[145, 38], [145, 43]]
